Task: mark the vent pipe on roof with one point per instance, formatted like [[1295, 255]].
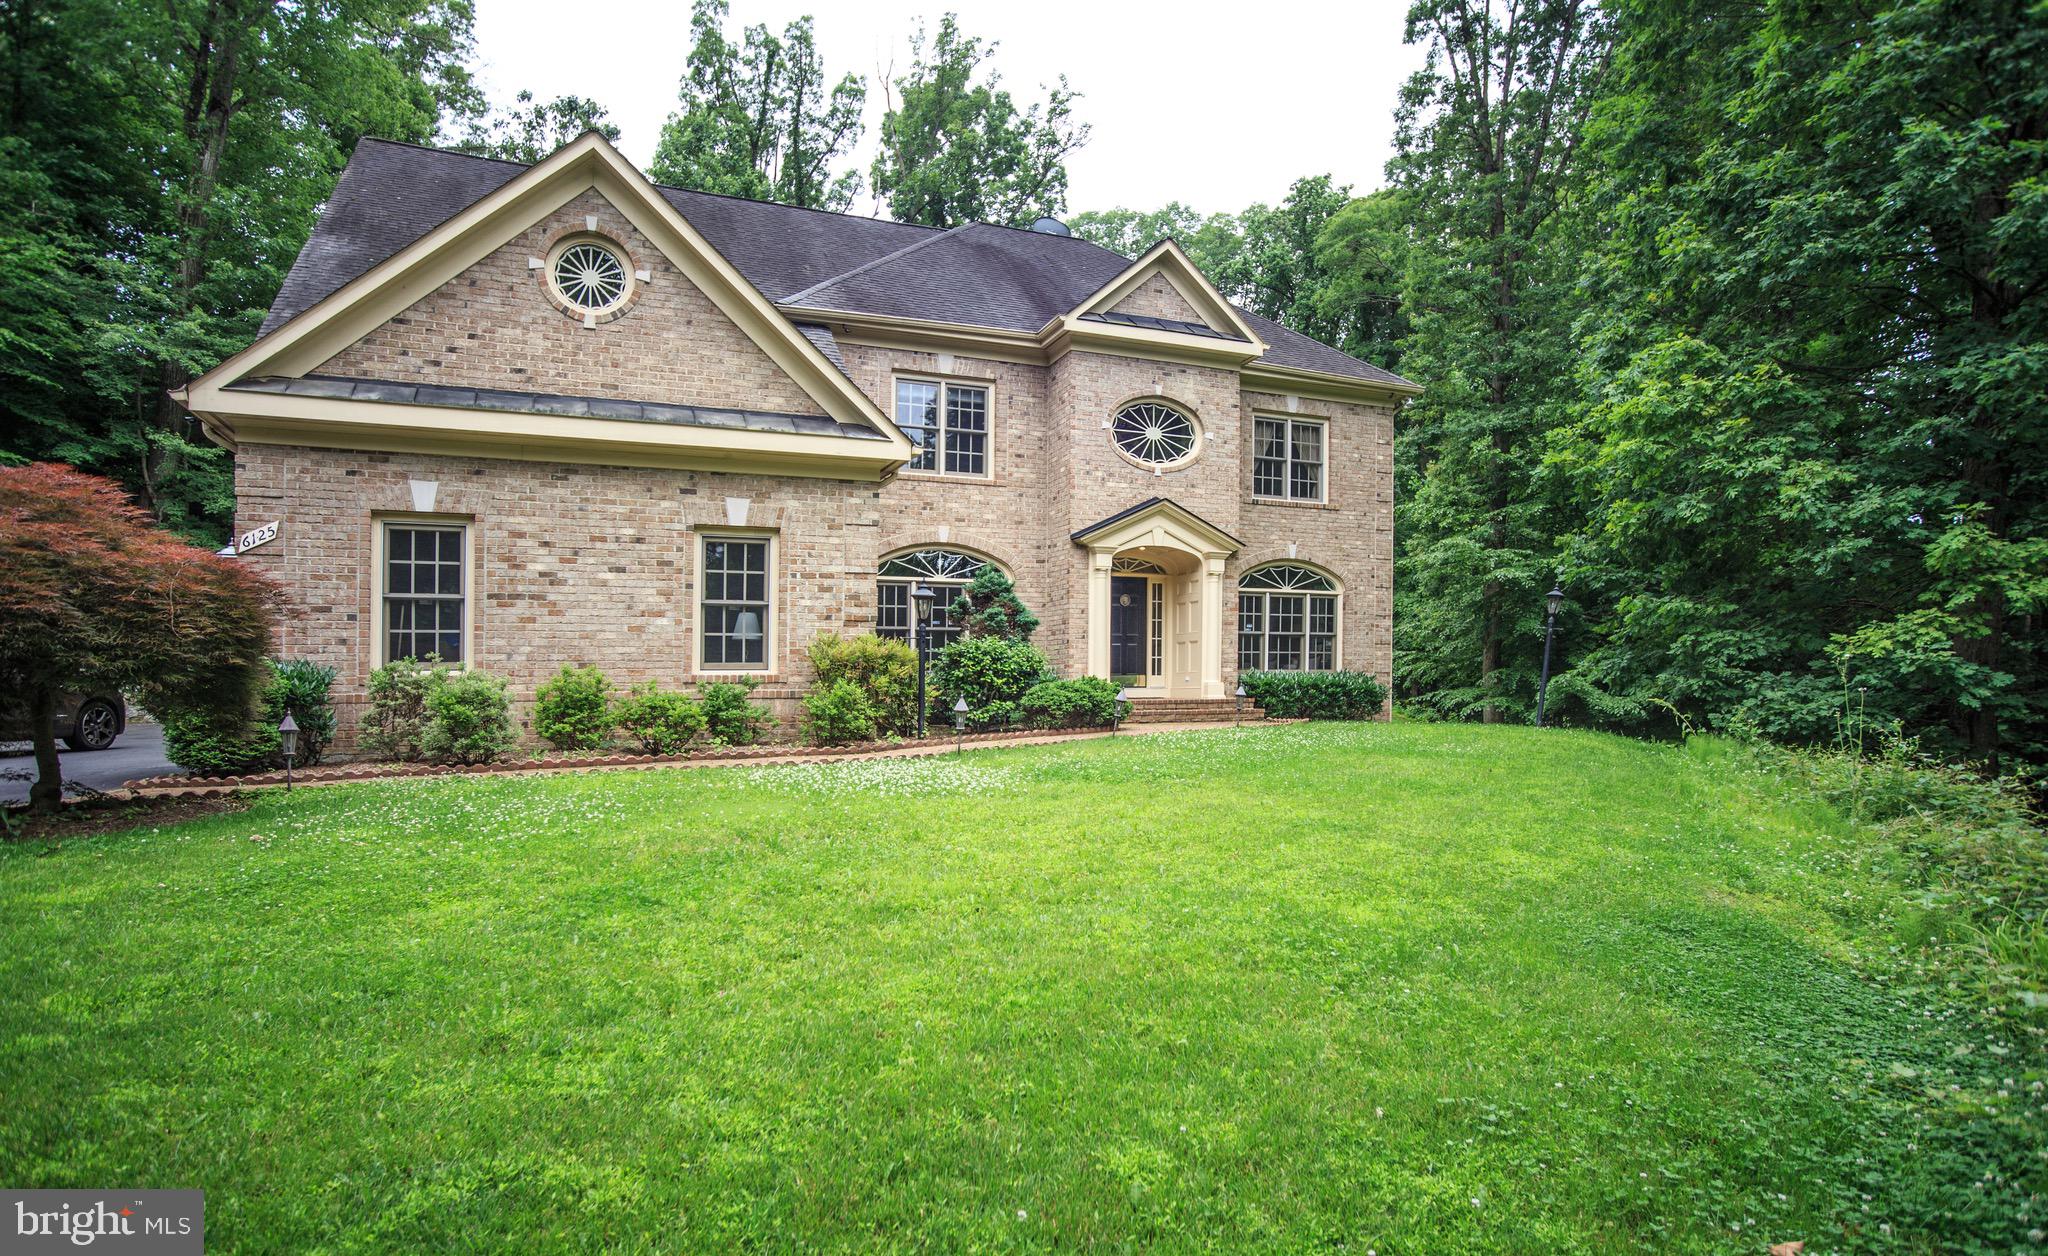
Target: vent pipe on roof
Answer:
[[1051, 226]]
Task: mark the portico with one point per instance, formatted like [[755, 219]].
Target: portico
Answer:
[[1155, 599]]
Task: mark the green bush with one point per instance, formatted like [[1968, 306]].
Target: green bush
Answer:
[[301, 687], [730, 716], [884, 671], [1084, 702], [989, 607], [838, 713], [395, 709], [573, 710], [469, 719], [662, 721], [214, 745], [1316, 695], [992, 673]]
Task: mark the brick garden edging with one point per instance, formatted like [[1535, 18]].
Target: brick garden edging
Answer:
[[353, 772]]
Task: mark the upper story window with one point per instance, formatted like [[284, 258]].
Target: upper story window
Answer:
[[947, 422], [945, 571], [1154, 435], [425, 592], [589, 276], [1286, 620], [1288, 458]]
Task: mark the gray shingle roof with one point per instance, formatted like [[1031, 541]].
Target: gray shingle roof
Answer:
[[394, 392], [978, 275]]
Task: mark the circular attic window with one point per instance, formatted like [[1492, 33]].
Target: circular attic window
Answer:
[[589, 277], [1154, 435]]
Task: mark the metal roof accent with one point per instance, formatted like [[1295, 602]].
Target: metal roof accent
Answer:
[[392, 392], [1161, 324], [1149, 503]]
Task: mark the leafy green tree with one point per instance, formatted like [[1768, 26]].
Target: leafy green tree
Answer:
[[759, 118], [530, 129], [954, 150], [1486, 137], [988, 606]]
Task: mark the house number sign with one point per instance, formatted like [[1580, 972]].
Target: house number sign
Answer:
[[256, 536]]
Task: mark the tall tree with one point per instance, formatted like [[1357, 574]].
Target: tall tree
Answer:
[[1486, 139], [954, 150], [528, 130], [760, 118]]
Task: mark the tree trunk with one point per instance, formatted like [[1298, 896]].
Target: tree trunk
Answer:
[[47, 794]]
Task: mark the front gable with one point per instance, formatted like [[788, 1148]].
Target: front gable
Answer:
[[1158, 306], [468, 307]]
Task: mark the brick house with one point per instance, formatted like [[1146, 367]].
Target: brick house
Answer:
[[521, 416]]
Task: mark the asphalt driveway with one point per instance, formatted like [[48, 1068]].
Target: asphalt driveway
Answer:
[[138, 753]]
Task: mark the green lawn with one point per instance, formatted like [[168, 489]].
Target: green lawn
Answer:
[[1389, 988]]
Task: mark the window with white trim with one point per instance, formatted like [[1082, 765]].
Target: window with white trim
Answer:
[[1286, 620], [1288, 457], [733, 602], [946, 571], [424, 591], [947, 422]]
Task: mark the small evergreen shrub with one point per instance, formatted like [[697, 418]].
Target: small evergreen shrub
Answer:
[[838, 713], [1084, 702], [211, 744], [730, 716], [469, 719], [989, 607], [1316, 695], [302, 688], [884, 671], [992, 673], [573, 710], [395, 709], [662, 721]]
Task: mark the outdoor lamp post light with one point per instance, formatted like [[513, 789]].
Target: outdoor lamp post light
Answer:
[[959, 722], [288, 738], [1240, 706], [921, 599], [1117, 712], [1555, 600]]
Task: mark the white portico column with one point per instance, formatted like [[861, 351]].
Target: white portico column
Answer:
[[1212, 625], [1099, 561]]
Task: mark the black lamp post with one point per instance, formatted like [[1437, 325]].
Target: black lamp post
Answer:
[[921, 599], [288, 739], [959, 722], [1555, 600], [1240, 706]]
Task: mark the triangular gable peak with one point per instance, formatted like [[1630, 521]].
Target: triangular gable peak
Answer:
[[1134, 314], [1158, 523], [866, 441]]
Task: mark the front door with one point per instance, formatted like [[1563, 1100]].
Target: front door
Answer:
[[1129, 624]]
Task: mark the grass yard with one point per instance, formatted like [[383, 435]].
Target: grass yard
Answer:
[[1377, 988]]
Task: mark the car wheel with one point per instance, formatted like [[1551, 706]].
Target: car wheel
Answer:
[[96, 726]]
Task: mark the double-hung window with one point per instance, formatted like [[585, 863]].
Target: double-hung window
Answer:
[[424, 592], [947, 422], [733, 603], [1286, 620], [1287, 459]]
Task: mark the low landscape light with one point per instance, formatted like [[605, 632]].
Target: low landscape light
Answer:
[[1240, 703], [959, 722], [288, 740]]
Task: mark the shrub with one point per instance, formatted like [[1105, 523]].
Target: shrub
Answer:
[[884, 671], [992, 673], [730, 716], [1316, 695], [301, 687], [395, 710], [989, 607], [469, 719], [838, 713], [663, 721], [573, 711], [1084, 702], [211, 744]]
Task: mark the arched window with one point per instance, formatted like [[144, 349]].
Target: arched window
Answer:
[[1286, 620], [947, 571]]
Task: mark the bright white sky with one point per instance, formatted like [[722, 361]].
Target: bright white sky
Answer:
[[1216, 106]]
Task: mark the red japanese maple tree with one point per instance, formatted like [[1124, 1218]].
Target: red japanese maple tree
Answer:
[[94, 596]]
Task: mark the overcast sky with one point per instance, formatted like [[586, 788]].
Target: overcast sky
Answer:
[[1217, 106]]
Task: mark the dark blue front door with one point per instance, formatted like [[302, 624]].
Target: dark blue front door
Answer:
[[1127, 626]]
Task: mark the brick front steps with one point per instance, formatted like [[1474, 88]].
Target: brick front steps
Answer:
[[1191, 711]]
